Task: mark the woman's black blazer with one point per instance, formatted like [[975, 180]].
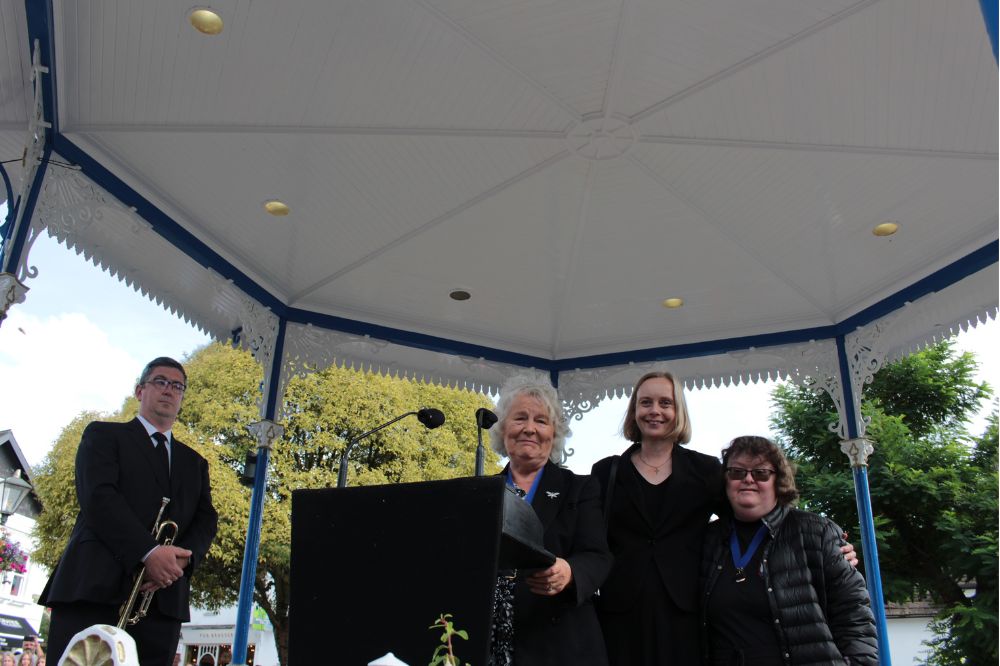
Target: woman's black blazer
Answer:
[[673, 543], [563, 630]]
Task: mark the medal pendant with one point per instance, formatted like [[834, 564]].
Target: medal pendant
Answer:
[[740, 576]]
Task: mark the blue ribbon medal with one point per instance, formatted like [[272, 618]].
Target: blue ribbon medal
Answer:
[[740, 560]]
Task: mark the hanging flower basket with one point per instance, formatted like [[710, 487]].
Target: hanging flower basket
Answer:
[[12, 558]]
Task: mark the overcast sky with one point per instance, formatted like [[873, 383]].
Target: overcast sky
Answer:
[[81, 337]]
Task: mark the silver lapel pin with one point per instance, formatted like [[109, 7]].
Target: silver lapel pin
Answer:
[[552, 495]]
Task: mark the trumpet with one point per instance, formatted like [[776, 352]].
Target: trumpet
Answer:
[[164, 532]]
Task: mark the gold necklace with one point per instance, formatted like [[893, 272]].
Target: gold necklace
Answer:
[[656, 470]]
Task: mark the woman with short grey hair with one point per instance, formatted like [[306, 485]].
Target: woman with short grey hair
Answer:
[[526, 385], [553, 622]]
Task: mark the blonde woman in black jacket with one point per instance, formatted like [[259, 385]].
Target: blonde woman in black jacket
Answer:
[[777, 590]]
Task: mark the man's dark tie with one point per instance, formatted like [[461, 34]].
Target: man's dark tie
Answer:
[[161, 451]]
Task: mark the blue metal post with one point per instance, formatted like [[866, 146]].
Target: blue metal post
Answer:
[[241, 635], [873, 575]]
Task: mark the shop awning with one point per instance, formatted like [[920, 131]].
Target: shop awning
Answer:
[[13, 629]]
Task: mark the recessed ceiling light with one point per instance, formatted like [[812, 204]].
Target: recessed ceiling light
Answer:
[[886, 229], [673, 303], [460, 295], [277, 208], [205, 21]]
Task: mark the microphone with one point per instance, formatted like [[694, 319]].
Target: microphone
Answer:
[[429, 416], [484, 421], [485, 418]]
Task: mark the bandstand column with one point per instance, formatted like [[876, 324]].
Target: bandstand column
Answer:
[[859, 357], [264, 335]]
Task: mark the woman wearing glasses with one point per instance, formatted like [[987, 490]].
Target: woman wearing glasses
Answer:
[[777, 589], [658, 497]]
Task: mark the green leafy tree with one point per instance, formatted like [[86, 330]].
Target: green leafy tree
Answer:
[[323, 411], [933, 488]]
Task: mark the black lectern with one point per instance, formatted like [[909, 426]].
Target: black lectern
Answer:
[[373, 567]]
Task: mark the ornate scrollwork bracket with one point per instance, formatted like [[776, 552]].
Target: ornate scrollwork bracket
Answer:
[[309, 349], [866, 353], [258, 335], [32, 161], [11, 291], [858, 450]]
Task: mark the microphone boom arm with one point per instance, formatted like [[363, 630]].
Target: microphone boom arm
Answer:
[[430, 417], [342, 472]]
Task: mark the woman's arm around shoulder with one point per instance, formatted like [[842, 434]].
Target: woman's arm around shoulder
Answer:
[[849, 613]]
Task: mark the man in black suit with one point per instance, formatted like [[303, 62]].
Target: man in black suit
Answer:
[[123, 471]]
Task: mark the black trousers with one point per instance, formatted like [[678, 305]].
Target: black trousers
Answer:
[[155, 635]]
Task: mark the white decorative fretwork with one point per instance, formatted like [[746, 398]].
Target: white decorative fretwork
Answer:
[[70, 202], [258, 335], [310, 349], [70, 205], [866, 350], [811, 364]]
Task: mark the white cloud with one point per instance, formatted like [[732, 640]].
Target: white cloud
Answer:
[[53, 368]]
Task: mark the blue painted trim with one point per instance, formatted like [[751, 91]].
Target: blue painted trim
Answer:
[[39, 20], [12, 252], [873, 574], [41, 26], [251, 550], [271, 399], [950, 274], [692, 350], [846, 388], [207, 257], [417, 340], [165, 226], [962, 268], [989, 9], [11, 210]]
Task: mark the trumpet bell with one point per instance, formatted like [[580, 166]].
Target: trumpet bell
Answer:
[[101, 645]]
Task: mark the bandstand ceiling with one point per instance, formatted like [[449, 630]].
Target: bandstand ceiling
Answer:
[[569, 163]]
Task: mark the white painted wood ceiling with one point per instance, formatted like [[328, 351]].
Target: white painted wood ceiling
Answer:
[[570, 163]]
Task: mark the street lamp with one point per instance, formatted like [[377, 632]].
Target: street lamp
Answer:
[[13, 490]]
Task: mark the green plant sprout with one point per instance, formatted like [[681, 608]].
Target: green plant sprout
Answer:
[[444, 654]]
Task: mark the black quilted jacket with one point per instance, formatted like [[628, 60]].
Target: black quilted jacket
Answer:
[[818, 601]]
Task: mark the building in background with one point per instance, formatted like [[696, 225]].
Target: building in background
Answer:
[[19, 614], [207, 639]]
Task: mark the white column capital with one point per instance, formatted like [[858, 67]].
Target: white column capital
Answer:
[[267, 432], [857, 450]]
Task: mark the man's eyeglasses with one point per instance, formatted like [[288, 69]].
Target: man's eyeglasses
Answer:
[[162, 383], [738, 474]]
